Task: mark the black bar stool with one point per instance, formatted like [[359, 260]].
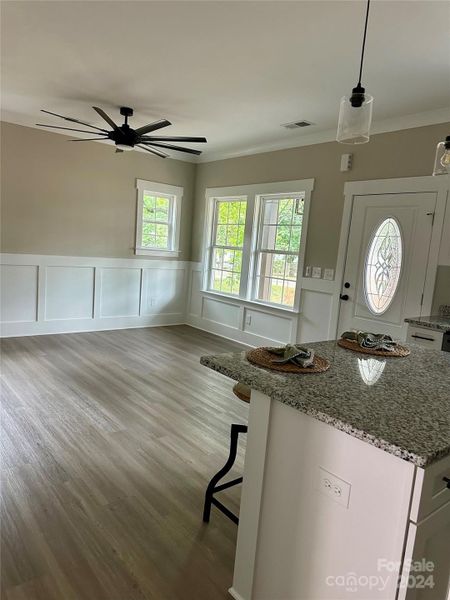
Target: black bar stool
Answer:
[[243, 393]]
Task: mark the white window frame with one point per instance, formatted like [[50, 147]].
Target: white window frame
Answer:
[[253, 193], [257, 246], [213, 246], [175, 196]]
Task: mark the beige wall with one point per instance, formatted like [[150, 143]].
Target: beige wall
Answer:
[[78, 199], [406, 153]]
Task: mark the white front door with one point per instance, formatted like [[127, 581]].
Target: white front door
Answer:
[[386, 264]]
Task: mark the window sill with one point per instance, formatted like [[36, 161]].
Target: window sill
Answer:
[[155, 252], [272, 308]]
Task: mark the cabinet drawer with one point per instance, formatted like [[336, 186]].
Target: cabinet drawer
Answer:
[[428, 542], [428, 338], [430, 489]]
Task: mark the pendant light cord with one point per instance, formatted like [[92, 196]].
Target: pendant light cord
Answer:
[[364, 43]]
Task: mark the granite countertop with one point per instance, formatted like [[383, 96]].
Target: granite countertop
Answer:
[[401, 405], [434, 322]]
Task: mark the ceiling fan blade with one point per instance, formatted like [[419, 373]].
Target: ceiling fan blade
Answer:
[[88, 139], [104, 116], [157, 152], [74, 120], [119, 150], [171, 147], [175, 138], [105, 134], [153, 126]]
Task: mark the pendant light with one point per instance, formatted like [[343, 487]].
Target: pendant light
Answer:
[[442, 158], [355, 113]]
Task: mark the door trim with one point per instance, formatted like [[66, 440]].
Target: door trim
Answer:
[[438, 185]]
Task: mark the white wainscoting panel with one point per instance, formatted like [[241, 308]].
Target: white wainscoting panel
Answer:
[[120, 292], [315, 316], [19, 289], [69, 293], [222, 312], [163, 291], [254, 324], [58, 294], [267, 325]]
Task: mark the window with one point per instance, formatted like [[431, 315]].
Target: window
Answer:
[[227, 244], [158, 219], [278, 247], [255, 241], [383, 266]]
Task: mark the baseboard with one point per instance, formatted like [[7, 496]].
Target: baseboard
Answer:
[[86, 325], [230, 333], [234, 594], [225, 337]]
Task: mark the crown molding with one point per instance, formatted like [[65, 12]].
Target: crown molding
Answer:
[[412, 121]]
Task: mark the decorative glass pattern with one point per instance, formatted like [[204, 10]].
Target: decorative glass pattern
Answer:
[[383, 266]]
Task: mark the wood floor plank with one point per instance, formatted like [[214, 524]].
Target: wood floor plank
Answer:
[[108, 442]]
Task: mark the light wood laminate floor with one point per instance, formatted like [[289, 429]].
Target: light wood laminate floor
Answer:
[[108, 442]]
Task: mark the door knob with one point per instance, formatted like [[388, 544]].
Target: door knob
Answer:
[[343, 297]]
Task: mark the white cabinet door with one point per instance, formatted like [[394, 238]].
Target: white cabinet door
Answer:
[[429, 541]]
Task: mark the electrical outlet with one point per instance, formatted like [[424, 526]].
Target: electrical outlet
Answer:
[[152, 301], [317, 272], [334, 487], [308, 271], [328, 274]]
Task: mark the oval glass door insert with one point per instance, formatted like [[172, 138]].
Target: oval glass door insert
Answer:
[[383, 266]]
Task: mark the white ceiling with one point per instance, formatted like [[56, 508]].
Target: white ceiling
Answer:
[[233, 71]]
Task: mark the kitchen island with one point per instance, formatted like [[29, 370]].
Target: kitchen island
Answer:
[[345, 478]]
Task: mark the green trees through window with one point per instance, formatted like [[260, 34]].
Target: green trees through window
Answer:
[[228, 243], [276, 250], [156, 221]]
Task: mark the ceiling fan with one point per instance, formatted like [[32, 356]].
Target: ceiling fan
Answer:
[[126, 138]]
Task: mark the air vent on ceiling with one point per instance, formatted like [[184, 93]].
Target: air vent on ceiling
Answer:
[[297, 124]]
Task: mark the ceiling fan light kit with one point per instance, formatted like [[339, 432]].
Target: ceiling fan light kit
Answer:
[[355, 112], [125, 138]]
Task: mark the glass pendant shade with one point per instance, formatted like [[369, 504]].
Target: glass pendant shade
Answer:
[[354, 121], [442, 158]]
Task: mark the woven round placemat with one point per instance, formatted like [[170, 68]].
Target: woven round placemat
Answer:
[[263, 358], [398, 351]]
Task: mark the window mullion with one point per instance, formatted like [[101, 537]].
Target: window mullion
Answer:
[[246, 249]]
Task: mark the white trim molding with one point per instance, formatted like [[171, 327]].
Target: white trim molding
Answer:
[[257, 324], [253, 194], [42, 294], [439, 185], [175, 197]]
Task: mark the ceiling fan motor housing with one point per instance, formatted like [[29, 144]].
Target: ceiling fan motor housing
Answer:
[[126, 111]]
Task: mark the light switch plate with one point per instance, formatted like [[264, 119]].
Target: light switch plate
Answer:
[[307, 271], [317, 272], [328, 274], [346, 162]]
